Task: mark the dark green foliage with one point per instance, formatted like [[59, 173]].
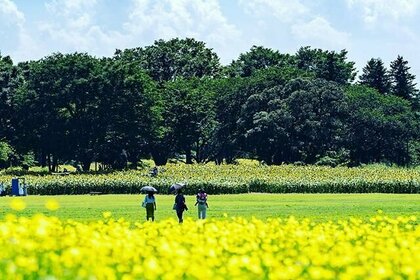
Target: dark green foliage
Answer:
[[258, 58], [131, 114], [318, 109], [174, 99], [166, 62], [177, 58], [232, 113], [10, 79], [6, 152], [375, 76], [189, 117], [380, 127], [328, 65], [334, 158], [58, 111], [402, 82], [299, 121]]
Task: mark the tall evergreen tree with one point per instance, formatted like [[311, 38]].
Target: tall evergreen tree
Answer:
[[375, 76], [402, 82]]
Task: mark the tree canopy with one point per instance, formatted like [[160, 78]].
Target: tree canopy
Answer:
[[174, 99]]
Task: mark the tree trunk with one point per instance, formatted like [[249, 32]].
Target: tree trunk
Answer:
[[43, 160], [160, 158], [86, 164], [133, 159], [55, 164], [160, 152], [198, 152], [49, 163], [188, 156]]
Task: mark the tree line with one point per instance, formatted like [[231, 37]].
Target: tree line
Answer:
[[175, 99]]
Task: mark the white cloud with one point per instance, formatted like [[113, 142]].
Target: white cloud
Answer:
[[169, 18], [13, 30], [75, 14], [74, 25], [299, 19], [10, 14], [320, 31], [283, 10], [71, 26], [374, 10], [202, 19], [69, 7]]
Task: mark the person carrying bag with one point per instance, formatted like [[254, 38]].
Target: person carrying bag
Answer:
[[180, 205]]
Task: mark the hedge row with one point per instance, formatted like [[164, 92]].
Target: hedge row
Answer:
[[127, 187], [233, 179]]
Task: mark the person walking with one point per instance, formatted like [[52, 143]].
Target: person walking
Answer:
[[202, 204], [180, 205], [150, 204]]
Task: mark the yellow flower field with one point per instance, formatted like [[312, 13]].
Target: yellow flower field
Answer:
[[42, 247]]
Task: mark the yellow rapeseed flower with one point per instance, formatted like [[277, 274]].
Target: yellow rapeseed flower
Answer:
[[107, 214], [41, 247], [17, 204], [52, 205]]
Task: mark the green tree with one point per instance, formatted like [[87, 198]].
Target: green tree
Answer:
[[380, 126], [256, 59], [318, 109], [328, 65], [58, 108], [167, 61], [266, 124], [131, 111], [375, 76], [9, 83], [301, 120], [189, 117], [38, 121], [402, 81], [177, 58], [6, 151], [233, 117]]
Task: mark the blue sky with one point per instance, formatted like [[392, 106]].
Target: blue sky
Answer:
[[32, 29]]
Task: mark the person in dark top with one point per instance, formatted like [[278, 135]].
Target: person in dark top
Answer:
[[180, 205]]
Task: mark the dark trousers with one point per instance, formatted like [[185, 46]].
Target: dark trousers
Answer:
[[179, 213], [150, 211]]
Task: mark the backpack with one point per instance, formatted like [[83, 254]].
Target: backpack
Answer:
[[201, 198]]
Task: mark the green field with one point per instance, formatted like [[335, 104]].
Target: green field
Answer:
[[319, 207]]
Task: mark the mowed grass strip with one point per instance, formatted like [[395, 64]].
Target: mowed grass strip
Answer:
[[318, 207]]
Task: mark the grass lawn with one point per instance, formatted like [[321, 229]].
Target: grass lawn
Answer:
[[319, 207]]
